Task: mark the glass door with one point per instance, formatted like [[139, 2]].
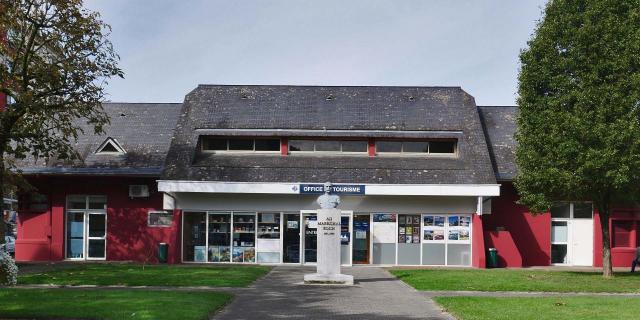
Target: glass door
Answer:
[[310, 241], [75, 235], [291, 238], [559, 241], [96, 235], [361, 239]]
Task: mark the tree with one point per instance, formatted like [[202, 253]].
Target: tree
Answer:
[[579, 98], [55, 60]]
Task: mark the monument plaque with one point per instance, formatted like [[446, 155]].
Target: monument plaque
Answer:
[[328, 257]]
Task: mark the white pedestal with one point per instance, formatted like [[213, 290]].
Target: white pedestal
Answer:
[[328, 256]]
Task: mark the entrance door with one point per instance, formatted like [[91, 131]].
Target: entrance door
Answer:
[[291, 238], [75, 235], [86, 228], [361, 239], [96, 235], [309, 241], [572, 234]]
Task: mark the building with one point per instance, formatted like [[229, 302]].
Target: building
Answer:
[[232, 174]]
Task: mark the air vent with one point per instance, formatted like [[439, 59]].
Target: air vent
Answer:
[[138, 191]]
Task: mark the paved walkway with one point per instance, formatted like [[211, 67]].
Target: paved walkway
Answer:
[[376, 295], [509, 294]]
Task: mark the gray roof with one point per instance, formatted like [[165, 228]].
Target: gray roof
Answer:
[[144, 131], [436, 112], [500, 127]]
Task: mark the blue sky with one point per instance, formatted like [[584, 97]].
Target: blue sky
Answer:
[[168, 47]]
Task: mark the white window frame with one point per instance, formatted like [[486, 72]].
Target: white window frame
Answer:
[[86, 216]]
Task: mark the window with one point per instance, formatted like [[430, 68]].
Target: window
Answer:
[[160, 219], [328, 146], [559, 241], [416, 147], [240, 144], [110, 146], [622, 233]]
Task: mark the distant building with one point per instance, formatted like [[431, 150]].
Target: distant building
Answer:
[[232, 175]]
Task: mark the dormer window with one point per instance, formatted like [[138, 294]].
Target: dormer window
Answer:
[[110, 146], [219, 144]]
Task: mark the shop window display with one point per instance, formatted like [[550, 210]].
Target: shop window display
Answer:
[[244, 235], [194, 241], [446, 239], [219, 237]]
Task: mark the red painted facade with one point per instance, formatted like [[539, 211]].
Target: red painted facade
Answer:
[[522, 239], [42, 234], [3, 101]]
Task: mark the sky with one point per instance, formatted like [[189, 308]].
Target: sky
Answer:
[[168, 47]]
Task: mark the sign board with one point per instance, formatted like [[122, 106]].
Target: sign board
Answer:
[[345, 189]]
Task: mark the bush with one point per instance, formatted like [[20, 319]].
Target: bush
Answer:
[[8, 270]]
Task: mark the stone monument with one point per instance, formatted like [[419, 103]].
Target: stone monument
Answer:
[[328, 256]]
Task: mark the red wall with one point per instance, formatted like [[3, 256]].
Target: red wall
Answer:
[[521, 238], [41, 234], [477, 243], [3, 101], [620, 257]]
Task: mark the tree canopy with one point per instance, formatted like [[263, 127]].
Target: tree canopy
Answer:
[[579, 107], [55, 60]]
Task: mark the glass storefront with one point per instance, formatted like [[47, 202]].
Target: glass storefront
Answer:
[[366, 238]]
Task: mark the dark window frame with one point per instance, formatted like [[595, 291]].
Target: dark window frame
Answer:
[[203, 142], [365, 151], [404, 153]]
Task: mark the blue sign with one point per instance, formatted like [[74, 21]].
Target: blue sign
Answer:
[[335, 189]]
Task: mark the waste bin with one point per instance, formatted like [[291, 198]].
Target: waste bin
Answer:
[[163, 250], [492, 258]]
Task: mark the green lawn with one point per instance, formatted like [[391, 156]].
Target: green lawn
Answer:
[[477, 308], [154, 275], [109, 304], [517, 280]]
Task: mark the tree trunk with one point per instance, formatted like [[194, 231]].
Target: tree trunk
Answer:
[[607, 268]]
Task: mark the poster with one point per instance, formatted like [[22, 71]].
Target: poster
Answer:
[[384, 232], [199, 254], [464, 235], [454, 221], [384, 217], [465, 221], [292, 224], [428, 235], [438, 234], [438, 221], [428, 221]]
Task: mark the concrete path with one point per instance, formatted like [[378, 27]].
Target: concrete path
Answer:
[[509, 294], [376, 295]]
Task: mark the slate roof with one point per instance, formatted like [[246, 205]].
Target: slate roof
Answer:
[[500, 127], [144, 130], [378, 111]]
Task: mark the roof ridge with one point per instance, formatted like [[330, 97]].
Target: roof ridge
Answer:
[[322, 86]]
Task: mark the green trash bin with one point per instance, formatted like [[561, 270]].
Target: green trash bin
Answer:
[[492, 258], [163, 250]]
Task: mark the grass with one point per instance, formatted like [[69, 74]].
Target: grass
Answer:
[[477, 308], [109, 304], [154, 275], [517, 280]]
